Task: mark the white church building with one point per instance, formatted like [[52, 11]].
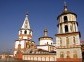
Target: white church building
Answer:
[[67, 46]]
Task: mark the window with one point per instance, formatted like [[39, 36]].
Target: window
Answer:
[[47, 43], [68, 52], [65, 19], [66, 28], [75, 54], [20, 32], [25, 32], [61, 55]]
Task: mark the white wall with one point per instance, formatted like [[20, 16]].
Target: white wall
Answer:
[[45, 41]]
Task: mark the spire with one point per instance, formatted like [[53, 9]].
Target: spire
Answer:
[[65, 6], [45, 32], [26, 24]]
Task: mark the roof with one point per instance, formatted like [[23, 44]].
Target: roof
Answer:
[[66, 11], [38, 51], [26, 24]]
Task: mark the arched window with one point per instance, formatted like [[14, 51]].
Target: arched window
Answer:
[[61, 55], [25, 32], [68, 54], [65, 19], [66, 28]]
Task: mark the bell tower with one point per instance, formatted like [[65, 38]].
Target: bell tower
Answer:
[[24, 40], [68, 37]]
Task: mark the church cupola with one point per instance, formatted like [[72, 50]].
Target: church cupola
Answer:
[[25, 32], [46, 40]]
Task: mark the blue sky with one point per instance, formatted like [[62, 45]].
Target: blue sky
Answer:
[[42, 14]]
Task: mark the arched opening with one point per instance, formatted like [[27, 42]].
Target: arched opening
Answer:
[[25, 32], [65, 19], [66, 28]]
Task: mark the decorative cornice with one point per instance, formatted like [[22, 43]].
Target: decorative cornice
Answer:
[[69, 47], [68, 33], [67, 23]]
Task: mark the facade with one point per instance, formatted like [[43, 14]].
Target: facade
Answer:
[[68, 46]]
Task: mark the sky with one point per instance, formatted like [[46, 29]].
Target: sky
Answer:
[[42, 14]]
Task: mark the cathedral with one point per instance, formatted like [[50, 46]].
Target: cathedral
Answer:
[[65, 49]]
